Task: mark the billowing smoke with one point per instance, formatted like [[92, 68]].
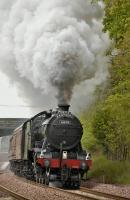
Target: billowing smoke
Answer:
[[54, 48]]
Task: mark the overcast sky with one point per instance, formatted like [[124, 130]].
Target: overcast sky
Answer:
[[11, 105]]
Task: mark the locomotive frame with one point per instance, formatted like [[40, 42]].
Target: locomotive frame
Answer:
[[48, 148]]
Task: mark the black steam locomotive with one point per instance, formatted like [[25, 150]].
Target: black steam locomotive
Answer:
[[48, 148]]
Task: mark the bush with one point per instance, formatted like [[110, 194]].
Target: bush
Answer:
[[108, 171]]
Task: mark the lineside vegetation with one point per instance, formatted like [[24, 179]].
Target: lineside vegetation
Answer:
[[107, 124]]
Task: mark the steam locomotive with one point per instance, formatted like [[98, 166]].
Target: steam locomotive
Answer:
[[48, 148]]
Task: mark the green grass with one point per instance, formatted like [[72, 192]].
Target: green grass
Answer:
[[109, 171]]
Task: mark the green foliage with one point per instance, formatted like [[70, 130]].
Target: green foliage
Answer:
[[117, 18], [121, 88], [111, 126], [120, 70], [109, 171], [89, 142], [110, 122], [107, 126]]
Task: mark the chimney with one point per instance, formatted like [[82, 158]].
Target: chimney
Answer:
[[63, 107]]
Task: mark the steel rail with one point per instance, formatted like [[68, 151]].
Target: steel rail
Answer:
[[3, 171], [85, 193], [71, 192], [12, 194], [82, 192], [102, 194]]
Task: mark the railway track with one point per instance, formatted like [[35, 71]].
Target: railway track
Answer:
[[12, 194], [3, 172], [101, 194], [84, 192], [95, 195]]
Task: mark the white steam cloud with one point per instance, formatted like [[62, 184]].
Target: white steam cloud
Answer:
[[54, 49]]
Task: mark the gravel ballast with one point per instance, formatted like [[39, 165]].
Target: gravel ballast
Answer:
[[33, 192], [120, 190], [23, 187], [4, 196]]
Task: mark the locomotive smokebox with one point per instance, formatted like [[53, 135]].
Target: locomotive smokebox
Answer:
[[63, 107]]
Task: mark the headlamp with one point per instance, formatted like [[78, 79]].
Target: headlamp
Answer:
[[83, 165], [47, 163]]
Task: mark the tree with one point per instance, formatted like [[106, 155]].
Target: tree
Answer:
[[117, 18], [111, 126]]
